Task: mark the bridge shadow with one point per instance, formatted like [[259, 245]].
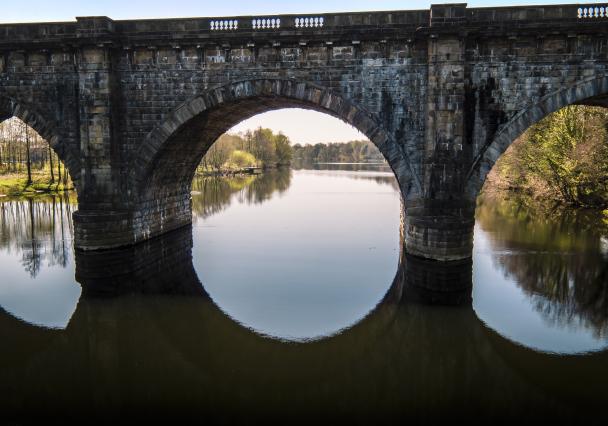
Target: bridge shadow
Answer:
[[146, 337]]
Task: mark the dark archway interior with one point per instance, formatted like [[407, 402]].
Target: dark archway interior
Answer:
[[599, 101]]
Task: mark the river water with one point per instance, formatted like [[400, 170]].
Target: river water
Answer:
[[289, 299]]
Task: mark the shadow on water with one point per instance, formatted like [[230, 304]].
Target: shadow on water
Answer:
[[145, 337]]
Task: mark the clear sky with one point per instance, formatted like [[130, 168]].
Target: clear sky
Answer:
[[301, 126], [65, 10]]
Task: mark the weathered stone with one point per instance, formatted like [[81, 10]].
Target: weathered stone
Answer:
[[132, 106]]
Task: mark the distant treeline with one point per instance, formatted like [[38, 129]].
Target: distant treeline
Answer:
[[562, 158], [349, 152], [265, 149]]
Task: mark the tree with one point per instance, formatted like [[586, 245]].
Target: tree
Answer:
[[263, 147], [348, 152], [283, 150], [241, 159], [22, 150], [563, 157]]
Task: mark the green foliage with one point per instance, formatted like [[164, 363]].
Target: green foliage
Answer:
[[564, 157], [283, 150], [28, 165], [260, 148], [16, 184], [241, 159]]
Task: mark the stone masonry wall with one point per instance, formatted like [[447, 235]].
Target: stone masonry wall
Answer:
[[132, 106]]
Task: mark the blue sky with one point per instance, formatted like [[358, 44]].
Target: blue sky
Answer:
[[300, 125], [61, 10]]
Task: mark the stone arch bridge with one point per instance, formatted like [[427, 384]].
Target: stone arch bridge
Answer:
[[132, 106]]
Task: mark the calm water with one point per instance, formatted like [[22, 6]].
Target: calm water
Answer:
[[289, 300]]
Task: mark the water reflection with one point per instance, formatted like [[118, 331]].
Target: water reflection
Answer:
[[212, 195], [556, 263], [37, 283], [540, 279], [378, 172], [38, 230], [309, 261], [150, 332], [147, 337], [431, 283]]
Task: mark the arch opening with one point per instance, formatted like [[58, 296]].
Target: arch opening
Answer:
[[165, 164], [37, 200], [541, 235], [293, 232], [43, 133], [187, 145], [28, 163], [591, 93]]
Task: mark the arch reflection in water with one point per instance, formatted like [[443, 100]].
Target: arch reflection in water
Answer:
[[553, 299], [549, 269], [298, 255], [160, 344], [37, 283]]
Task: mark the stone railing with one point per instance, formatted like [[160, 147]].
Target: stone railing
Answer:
[[299, 22], [220, 25], [565, 12], [241, 24], [593, 12], [312, 22], [265, 23], [439, 15]]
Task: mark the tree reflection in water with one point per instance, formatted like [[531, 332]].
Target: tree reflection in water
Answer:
[[40, 229], [554, 257], [146, 336], [213, 194], [159, 344]]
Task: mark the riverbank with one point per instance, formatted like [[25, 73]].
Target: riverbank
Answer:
[[230, 172], [15, 184], [522, 206]]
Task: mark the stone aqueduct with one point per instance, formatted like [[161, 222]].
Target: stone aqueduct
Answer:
[[132, 106]]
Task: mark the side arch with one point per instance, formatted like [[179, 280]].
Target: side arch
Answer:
[[592, 92], [45, 128], [200, 121]]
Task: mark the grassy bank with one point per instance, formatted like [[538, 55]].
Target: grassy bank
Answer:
[[15, 184]]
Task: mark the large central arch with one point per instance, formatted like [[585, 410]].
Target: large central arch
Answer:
[[164, 164]]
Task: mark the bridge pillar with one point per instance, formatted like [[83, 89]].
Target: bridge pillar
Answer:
[[439, 229], [103, 219], [439, 224]]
